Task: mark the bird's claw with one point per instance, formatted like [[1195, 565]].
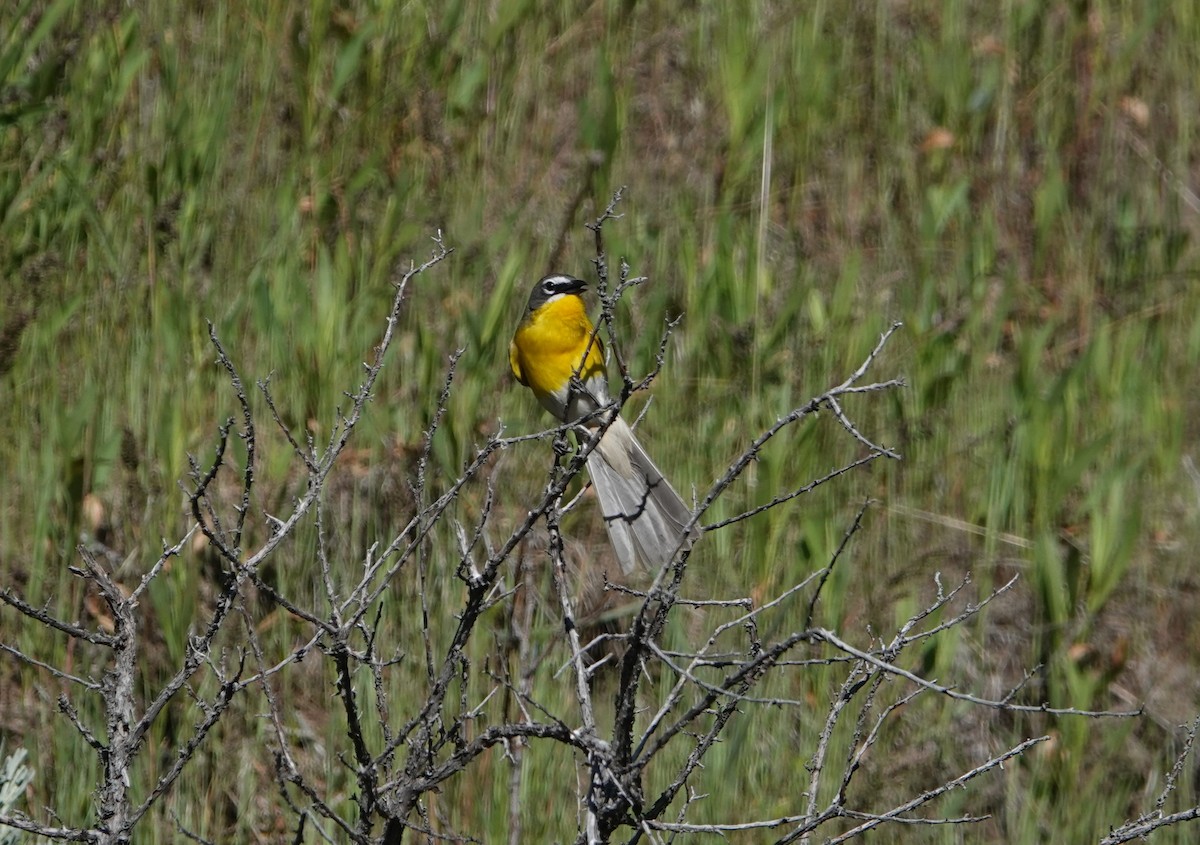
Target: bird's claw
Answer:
[[561, 447]]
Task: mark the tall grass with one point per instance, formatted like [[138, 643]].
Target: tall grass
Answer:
[[1012, 180]]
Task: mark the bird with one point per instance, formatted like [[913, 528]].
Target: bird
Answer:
[[557, 354]]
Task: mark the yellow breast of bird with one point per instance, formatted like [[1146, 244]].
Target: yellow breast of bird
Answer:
[[549, 347]]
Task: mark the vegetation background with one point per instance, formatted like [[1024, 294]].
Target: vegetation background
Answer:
[[1011, 179]]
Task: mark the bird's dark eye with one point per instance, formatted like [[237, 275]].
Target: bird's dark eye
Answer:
[[558, 283]]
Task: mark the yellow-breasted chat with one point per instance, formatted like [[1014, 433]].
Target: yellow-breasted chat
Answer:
[[556, 353]]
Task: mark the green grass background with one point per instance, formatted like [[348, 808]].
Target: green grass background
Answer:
[[1011, 179]]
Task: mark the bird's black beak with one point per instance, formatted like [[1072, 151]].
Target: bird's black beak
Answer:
[[558, 283]]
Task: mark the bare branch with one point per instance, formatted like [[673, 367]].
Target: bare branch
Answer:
[[837, 642], [898, 813]]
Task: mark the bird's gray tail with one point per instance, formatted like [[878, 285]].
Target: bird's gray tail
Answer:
[[644, 515]]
